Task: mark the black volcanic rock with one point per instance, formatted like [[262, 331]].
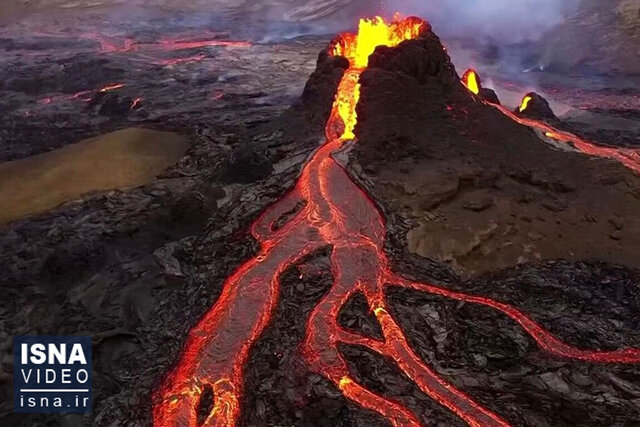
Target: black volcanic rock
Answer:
[[86, 73], [111, 104], [319, 92], [424, 59], [489, 95], [247, 164], [536, 108]]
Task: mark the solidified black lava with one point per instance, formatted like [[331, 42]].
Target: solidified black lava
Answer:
[[489, 95], [356, 315], [111, 104], [319, 92], [537, 108], [247, 164]]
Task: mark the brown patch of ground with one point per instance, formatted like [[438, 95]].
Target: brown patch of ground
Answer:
[[121, 159], [506, 221]]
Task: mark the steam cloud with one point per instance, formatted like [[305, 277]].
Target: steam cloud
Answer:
[[506, 20]]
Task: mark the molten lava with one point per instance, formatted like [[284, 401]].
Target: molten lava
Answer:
[[373, 33], [471, 80], [525, 103], [111, 87], [627, 156], [357, 49], [337, 214], [83, 95]]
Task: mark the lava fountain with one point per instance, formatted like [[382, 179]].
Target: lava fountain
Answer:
[[471, 80], [339, 214], [524, 104]]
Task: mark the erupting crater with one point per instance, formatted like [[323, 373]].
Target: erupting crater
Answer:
[[339, 214]]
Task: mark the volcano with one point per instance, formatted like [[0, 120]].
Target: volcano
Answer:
[[392, 247], [327, 211]]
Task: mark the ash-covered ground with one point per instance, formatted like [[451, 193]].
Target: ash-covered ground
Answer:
[[472, 201]]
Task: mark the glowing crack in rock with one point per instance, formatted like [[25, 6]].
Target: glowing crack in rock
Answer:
[[339, 214], [525, 103]]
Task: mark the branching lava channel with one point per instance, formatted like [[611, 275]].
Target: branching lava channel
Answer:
[[337, 213]]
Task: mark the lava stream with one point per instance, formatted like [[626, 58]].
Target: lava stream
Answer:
[[627, 156], [337, 213], [118, 44]]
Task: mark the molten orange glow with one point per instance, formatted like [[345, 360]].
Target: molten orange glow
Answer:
[[112, 45], [471, 80], [357, 49], [344, 106], [373, 33], [338, 214], [84, 95], [525, 103], [345, 382]]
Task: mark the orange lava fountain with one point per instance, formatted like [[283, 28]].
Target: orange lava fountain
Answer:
[[337, 214], [471, 80], [627, 156], [525, 103]]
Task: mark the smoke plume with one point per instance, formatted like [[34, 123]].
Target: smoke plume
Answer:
[[505, 20]]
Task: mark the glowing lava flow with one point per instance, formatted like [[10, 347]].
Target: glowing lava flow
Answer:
[[525, 103], [116, 44], [470, 80], [337, 213], [627, 156], [80, 95]]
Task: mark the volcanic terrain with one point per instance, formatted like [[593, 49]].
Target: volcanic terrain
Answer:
[[392, 247]]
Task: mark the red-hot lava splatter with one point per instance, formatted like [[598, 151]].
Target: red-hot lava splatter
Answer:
[[627, 156], [340, 214]]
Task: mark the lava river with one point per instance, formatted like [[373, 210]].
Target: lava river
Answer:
[[339, 214]]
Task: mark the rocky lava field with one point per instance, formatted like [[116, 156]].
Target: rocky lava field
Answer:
[[499, 258]]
